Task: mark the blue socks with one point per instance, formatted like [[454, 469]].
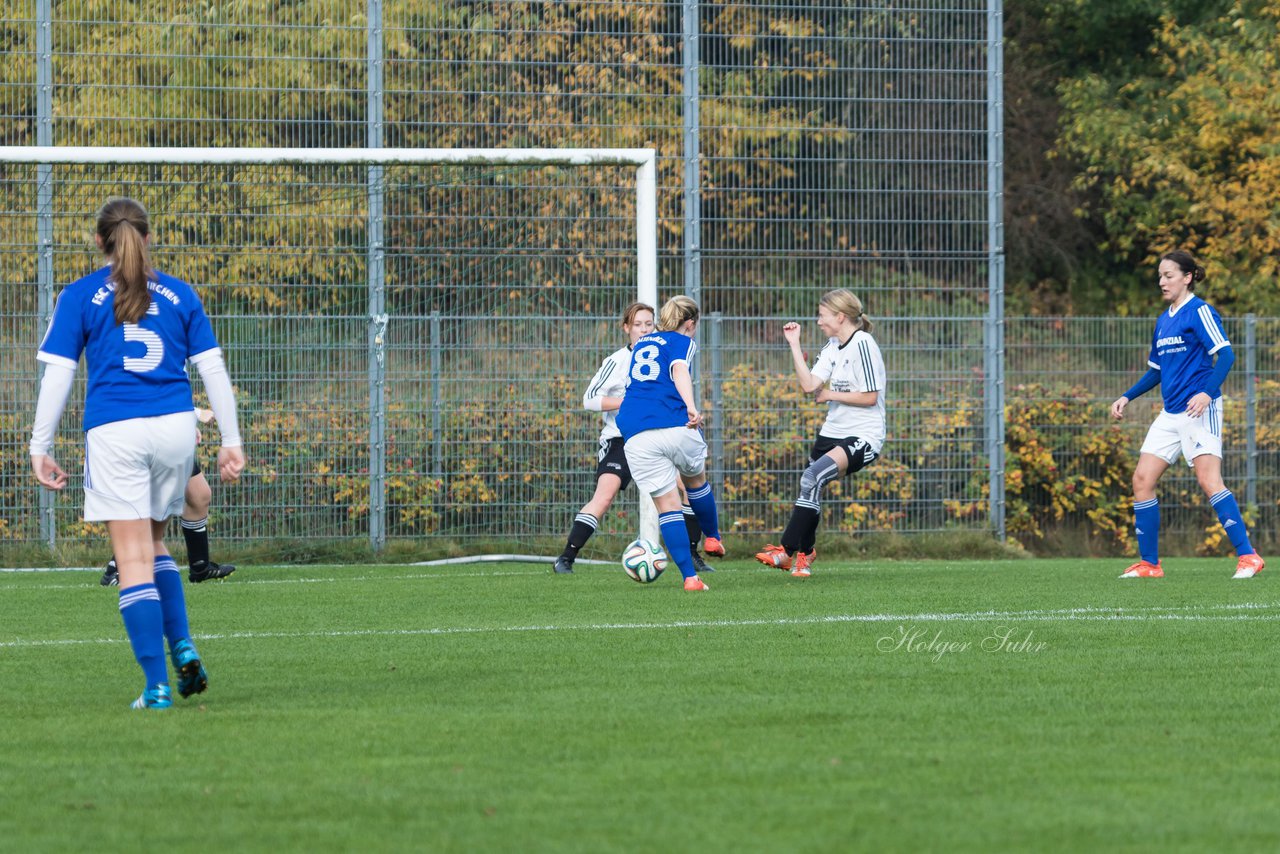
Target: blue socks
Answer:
[[1146, 524], [704, 507], [676, 538], [1229, 515], [141, 612], [173, 602]]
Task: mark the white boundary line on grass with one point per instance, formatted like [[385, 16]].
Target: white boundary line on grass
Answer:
[[334, 579], [1268, 612]]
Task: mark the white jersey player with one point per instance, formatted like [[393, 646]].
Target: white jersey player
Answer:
[[604, 395], [849, 377]]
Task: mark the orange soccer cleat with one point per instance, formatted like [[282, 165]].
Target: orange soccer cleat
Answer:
[[775, 556], [1249, 565], [713, 547], [1142, 569], [802, 563], [693, 582]]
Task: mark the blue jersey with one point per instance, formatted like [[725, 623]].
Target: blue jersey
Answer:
[[652, 401], [136, 370], [1182, 349]]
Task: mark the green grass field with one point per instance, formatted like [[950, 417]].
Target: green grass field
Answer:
[[906, 706]]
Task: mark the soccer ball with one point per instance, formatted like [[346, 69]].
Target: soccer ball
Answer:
[[644, 561]]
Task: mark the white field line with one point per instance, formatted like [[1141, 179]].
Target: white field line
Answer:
[[237, 581], [1263, 612]]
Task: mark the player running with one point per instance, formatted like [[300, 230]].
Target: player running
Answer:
[[604, 395], [661, 424], [849, 377], [136, 327], [1181, 362]]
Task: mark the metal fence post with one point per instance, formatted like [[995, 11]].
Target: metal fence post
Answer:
[[716, 346], [1251, 409], [994, 343], [692, 188], [376, 273], [437, 396], [44, 216]]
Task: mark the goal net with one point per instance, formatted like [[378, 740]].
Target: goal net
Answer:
[[410, 332]]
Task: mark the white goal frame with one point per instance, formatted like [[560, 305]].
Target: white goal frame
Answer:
[[644, 159]]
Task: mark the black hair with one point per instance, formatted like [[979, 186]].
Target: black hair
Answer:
[[1187, 264]]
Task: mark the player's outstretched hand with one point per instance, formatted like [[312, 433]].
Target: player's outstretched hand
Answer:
[[1117, 407], [47, 471], [791, 332], [230, 464]]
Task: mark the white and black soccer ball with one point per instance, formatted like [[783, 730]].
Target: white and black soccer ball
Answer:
[[644, 561]]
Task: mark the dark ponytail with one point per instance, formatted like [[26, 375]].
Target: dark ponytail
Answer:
[[1187, 264], [123, 227]]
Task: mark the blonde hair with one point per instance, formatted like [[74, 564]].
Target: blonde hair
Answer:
[[675, 312], [842, 301], [123, 227]]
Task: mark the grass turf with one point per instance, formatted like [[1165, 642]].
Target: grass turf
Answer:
[[883, 706]]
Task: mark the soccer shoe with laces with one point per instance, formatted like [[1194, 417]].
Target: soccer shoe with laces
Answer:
[[713, 547], [693, 582], [192, 678], [775, 556], [802, 563], [1142, 569], [699, 565], [209, 571], [564, 565], [155, 697], [110, 575], [1249, 565]]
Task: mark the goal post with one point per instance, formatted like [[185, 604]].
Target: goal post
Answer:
[[356, 282]]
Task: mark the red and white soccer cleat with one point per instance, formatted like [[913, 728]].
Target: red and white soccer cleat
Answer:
[[1249, 565], [1142, 569], [774, 556]]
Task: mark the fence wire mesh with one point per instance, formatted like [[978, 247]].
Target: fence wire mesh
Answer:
[[801, 146]]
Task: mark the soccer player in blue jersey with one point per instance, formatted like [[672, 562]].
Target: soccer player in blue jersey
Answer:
[[1187, 338], [136, 328], [849, 377], [604, 395], [660, 421]]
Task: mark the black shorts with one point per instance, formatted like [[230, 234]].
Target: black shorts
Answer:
[[613, 460], [859, 452], [195, 466]]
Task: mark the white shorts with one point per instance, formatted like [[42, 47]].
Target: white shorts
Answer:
[[1173, 434], [657, 457], [138, 468]]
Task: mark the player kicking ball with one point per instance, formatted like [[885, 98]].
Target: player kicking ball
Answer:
[[662, 429]]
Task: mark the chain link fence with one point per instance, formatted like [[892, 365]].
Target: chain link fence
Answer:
[[801, 146]]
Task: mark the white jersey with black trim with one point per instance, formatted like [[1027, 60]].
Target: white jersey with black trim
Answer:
[[854, 366], [609, 381]]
